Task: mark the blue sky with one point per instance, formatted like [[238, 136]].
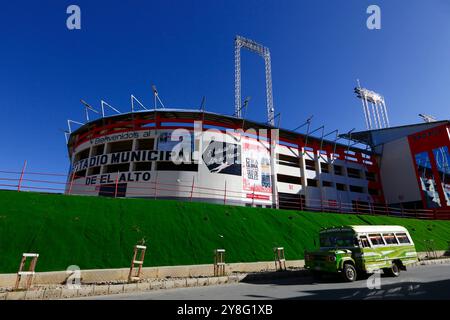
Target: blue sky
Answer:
[[319, 49]]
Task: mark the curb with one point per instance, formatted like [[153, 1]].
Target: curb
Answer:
[[159, 284], [431, 262], [99, 290]]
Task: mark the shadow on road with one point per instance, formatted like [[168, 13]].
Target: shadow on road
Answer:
[[410, 290], [306, 278]]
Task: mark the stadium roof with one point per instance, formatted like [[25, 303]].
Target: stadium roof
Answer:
[[184, 114], [380, 136]]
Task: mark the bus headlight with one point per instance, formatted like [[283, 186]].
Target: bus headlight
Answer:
[[332, 258]]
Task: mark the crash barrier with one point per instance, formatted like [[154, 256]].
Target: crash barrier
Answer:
[[28, 273], [219, 262], [280, 261], [63, 183]]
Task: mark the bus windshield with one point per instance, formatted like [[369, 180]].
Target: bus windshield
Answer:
[[337, 239]]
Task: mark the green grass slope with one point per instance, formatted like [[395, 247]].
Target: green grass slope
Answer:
[[99, 232]]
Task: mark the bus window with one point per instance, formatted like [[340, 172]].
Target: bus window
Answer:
[[376, 239], [389, 238], [337, 239], [364, 242], [402, 238]]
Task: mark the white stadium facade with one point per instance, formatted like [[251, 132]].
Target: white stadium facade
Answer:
[[204, 156]]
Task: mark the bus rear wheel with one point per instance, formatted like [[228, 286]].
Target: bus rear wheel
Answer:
[[393, 271], [349, 272]]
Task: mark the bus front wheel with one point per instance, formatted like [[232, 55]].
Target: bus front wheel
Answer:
[[349, 272]]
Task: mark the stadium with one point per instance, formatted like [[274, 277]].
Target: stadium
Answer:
[[199, 155]]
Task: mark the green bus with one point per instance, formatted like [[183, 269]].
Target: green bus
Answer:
[[356, 250]]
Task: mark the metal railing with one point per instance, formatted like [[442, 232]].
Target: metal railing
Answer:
[[68, 184]]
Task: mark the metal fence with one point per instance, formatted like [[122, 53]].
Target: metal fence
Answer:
[[25, 180]]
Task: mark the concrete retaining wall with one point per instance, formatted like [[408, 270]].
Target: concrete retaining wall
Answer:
[[106, 276], [117, 275]]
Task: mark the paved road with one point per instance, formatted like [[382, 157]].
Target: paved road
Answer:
[[421, 282]]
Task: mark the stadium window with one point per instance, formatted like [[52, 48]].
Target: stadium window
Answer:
[[143, 166], [93, 171], [123, 167], [310, 165], [338, 170], [389, 238], [311, 182], [113, 190], [327, 184], [370, 176], [97, 150], [288, 161], [120, 146], [353, 173], [324, 167], [402, 238], [288, 179], [84, 154], [357, 189], [80, 174], [122, 128], [170, 166], [145, 144], [376, 239], [341, 187]]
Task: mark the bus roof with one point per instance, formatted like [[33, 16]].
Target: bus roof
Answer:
[[367, 229]]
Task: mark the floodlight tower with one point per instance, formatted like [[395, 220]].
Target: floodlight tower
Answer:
[[264, 52], [427, 118], [374, 107]]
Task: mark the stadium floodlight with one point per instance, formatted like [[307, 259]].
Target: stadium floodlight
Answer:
[[264, 52], [202, 104], [349, 134], [244, 106], [88, 107], [326, 135], [309, 133], [66, 134], [278, 115], [335, 143], [133, 98], [103, 103], [427, 118], [72, 121], [377, 118], [155, 94], [307, 122]]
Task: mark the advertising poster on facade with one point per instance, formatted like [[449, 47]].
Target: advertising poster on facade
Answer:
[[180, 144], [256, 171], [222, 158]]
